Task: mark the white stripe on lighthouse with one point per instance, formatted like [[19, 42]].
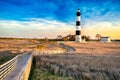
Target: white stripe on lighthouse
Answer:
[[78, 28], [78, 18]]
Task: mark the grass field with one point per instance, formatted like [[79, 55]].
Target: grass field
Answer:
[[96, 48], [90, 61], [18, 45], [41, 73]]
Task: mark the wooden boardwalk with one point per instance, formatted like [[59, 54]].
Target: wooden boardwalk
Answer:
[[19, 68]]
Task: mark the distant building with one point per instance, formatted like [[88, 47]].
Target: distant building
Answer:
[[105, 39]]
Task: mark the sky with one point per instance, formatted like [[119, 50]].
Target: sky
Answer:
[[49, 18]]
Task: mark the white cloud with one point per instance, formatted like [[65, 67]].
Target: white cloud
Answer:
[[103, 28], [40, 28], [34, 28]]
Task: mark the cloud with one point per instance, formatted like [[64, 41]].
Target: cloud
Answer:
[[103, 28], [39, 28]]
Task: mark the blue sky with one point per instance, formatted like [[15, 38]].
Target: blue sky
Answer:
[[49, 18]]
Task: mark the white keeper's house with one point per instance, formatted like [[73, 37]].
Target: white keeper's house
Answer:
[[105, 39]]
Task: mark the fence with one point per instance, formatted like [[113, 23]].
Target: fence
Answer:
[[22, 73], [7, 67]]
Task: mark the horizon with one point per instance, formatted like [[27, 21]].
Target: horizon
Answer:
[[49, 18]]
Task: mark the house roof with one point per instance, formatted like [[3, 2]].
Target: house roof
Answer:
[[105, 37]]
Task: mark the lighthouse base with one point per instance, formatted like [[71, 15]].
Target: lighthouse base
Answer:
[[78, 38]]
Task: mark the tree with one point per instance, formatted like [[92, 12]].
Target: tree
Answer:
[[72, 38], [98, 36], [83, 37], [46, 39], [59, 37], [65, 38], [86, 38]]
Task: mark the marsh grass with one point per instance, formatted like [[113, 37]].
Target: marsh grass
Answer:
[[49, 46], [81, 67], [41, 73], [89, 61]]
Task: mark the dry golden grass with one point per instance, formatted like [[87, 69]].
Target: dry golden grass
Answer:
[[81, 67], [49, 46], [90, 61], [97, 48], [17, 45]]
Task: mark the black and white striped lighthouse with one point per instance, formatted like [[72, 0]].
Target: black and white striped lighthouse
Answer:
[[78, 27]]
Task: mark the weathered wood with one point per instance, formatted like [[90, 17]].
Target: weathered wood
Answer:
[[17, 68], [7, 67]]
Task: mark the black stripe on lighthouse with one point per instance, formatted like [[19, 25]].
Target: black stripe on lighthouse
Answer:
[[78, 32], [78, 14], [77, 23]]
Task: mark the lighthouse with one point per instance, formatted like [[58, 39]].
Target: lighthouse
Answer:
[[78, 27]]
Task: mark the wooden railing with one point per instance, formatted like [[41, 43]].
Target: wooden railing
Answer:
[[7, 67]]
